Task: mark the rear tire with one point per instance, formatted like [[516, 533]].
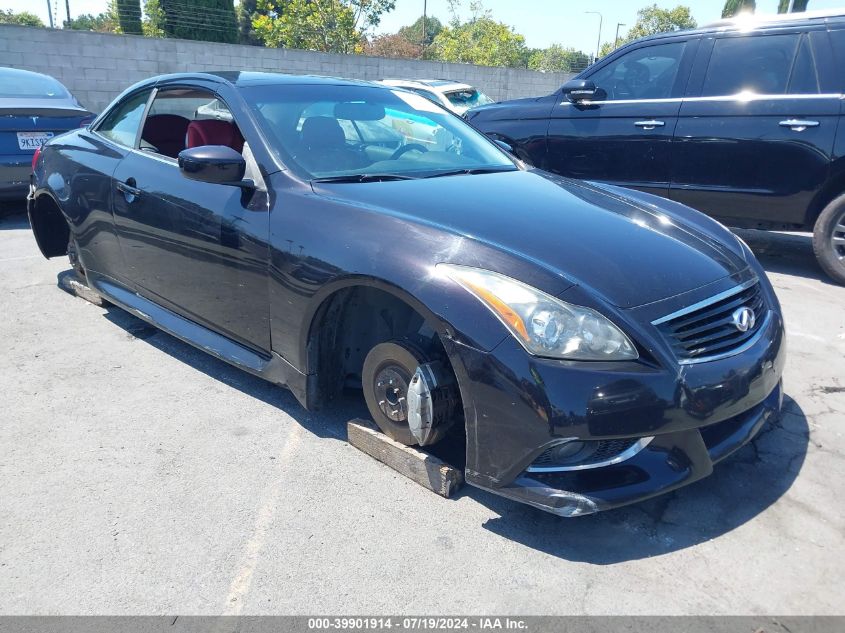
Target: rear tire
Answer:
[[829, 239], [388, 369]]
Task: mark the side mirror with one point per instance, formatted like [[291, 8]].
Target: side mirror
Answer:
[[217, 164], [579, 90], [503, 145]]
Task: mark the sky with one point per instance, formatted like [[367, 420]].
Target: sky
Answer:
[[542, 22]]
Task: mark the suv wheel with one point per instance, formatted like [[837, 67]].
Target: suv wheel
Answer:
[[829, 239]]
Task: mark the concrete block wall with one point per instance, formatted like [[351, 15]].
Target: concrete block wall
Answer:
[[96, 67]]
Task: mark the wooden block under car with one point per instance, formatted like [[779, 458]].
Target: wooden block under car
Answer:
[[425, 469]]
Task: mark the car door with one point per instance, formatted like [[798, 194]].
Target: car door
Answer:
[[86, 192], [624, 134], [199, 249], [754, 140]]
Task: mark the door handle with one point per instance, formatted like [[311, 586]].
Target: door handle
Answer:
[[128, 189], [798, 125], [650, 124]]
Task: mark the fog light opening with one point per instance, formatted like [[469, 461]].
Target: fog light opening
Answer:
[[575, 454]]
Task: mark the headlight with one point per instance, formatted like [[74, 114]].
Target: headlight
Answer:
[[545, 326]]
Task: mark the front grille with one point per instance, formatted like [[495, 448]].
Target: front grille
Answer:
[[707, 329]]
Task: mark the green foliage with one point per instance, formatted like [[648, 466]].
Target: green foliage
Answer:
[[102, 23], [394, 45], [153, 19], [652, 20], [479, 40], [798, 5], [556, 58], [247, 10], [733, 7], [204, 20], [332, 26], [414, 32], [24, 18], [129, 16]]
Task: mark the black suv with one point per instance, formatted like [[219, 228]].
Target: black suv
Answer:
[[739, 119]]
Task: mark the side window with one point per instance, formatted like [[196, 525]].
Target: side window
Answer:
[[180, 118], [644, 73], [757, 64], [121, 124], [805, 77]]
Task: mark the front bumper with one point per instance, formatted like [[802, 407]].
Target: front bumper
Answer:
[[699, 414]]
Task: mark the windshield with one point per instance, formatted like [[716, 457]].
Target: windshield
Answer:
[[19, 85], [465, 99], [331, 131]]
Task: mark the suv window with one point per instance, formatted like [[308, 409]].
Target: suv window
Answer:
[[756, 64], [644, 73], [121, 124]]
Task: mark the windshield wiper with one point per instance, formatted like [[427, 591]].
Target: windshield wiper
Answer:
[[471, 171], [363, 178]]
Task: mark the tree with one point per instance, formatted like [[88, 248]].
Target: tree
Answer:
[[394, 45], [129, 16], [733, 7], [153, 19], [247, 11], [332, 26], [102, 23], [652, 20], [480, 40], [24, 18], [798, 5], [556, 58], [204, 20], [414, 32]]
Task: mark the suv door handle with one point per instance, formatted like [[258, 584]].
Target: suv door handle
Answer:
[[798, 125], [650, 124]]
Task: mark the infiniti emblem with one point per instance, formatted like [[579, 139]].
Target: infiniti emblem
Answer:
[[744, 319]]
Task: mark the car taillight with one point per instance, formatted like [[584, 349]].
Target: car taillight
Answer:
[[35, 158]]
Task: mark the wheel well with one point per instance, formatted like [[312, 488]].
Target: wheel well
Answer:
[[348, 325], [49, 226], [833, 188]]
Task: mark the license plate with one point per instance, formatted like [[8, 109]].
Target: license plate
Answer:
[[33, 140]]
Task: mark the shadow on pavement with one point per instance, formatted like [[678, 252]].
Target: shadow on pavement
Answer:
[[786, 253], [740, 488]]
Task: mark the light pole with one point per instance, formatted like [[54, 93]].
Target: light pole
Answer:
[[598, 44], [50, 13], [616, 39]]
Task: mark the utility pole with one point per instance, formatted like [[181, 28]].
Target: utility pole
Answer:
[[424, 33], [616, 39], [50, 13], [67, 8], [791, 6], [598, 44]]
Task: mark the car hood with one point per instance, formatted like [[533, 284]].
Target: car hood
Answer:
[[630, 250]]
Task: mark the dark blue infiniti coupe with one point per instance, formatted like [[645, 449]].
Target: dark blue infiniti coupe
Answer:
[[589, 345]]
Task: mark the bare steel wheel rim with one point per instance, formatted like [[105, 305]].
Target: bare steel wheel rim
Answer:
[[391, 391], [837, 239]]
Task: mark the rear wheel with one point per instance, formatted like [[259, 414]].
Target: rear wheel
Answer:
[[829, 239]]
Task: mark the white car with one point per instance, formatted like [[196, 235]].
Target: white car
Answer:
[[452, 95]]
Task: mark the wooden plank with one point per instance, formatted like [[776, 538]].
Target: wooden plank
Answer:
[[69, 282], [425, 469]]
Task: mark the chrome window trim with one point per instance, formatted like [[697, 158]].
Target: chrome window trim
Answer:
[[706, 302], [740, 97], [628, 453]]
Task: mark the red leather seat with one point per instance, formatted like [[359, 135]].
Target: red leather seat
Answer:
[[166, 133], [214, 132]]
